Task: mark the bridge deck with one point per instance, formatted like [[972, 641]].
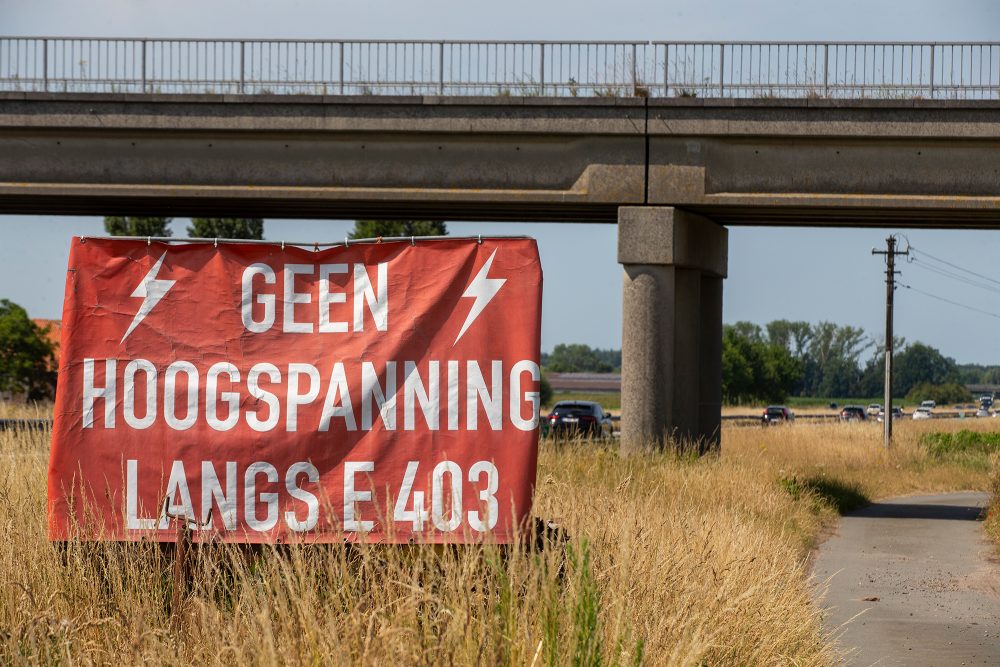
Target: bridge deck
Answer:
[[738, 161]]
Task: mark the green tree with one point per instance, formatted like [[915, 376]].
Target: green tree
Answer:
[[545, 391], [131, 226], [793, 336], [978, 374], [833, 351], [754, 369], [991, 375], [576, 358], [841, 377], [781, 372], [919, 364], [27, 358], [872, 382], [737, 367], [226, 228], [369, 229]]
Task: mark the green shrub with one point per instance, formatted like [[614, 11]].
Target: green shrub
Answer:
[[939, 393]]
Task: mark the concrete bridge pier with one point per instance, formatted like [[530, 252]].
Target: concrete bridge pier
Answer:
[[674, 264]]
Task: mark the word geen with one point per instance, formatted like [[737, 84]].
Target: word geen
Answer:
[[259, 302]]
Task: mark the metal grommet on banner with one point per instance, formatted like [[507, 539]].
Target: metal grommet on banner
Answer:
[[480, 239], [216, 244], [315, 246], [149, 241], [346, 242], [413, 240], [83, 239], [378, 239], [282, 246]]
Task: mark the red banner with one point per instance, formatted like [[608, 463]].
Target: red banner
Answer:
[[260, 393]]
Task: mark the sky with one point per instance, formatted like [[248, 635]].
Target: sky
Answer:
[[774, 273]]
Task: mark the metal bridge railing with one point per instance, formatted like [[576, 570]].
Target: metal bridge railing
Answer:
[[845, 70]]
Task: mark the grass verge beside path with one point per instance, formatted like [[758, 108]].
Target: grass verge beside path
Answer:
[[670, 560], [853, 455]]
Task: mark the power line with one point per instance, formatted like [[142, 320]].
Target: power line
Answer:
[[955, 276], [952, 265], [954, 303]]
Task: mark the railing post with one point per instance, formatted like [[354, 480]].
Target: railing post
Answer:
[[341, 68], [932, 73], [826, 70], [242, 66], [541, 75], [45, 64], [440, 68], [666, 70], [722, 70], [634, 82], [144, 66]]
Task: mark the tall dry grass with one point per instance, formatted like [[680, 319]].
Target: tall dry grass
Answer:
[[669, 560], [852, 456], [992, 520]]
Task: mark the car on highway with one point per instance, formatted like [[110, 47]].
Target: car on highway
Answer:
[[777, 414], [897, 413], [930, 405], [923, 413], [852, 413], [584, 418], [874, 409]]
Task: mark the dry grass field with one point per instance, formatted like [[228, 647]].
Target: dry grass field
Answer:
[[993, 511], [669, 560]]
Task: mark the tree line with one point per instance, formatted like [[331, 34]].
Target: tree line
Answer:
[[579, 358], [795, 358], [253, 228]]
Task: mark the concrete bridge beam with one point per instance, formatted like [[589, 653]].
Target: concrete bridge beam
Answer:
[[674, 263]]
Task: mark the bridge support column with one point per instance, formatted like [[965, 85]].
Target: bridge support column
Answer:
[[674, 264]]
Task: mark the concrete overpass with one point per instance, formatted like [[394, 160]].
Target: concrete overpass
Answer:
[[670, 171], [752, 161]]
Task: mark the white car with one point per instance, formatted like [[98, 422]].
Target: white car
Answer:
[[928, 404], [922, 413]]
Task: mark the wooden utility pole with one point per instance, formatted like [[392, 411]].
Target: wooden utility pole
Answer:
[[890, 253]]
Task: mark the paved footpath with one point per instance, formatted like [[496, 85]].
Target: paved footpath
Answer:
[[914, 581]]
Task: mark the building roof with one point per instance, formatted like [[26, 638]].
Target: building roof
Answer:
[[54, 334]]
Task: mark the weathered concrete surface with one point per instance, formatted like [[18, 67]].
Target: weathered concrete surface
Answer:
[[834, 162], [822, 162], [935, 577], [674, 263], [495, 158]]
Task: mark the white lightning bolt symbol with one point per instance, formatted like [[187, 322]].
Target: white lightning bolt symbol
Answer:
[[151, 290], [483, 289]]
